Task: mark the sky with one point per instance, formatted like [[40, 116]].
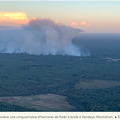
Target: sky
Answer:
[[90, 16]]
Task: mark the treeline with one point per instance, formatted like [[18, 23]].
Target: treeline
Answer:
[[5, 107]]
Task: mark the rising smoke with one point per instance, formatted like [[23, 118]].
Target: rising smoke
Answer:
[[40, 36]]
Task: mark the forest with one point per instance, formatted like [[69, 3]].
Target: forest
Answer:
[[90, 82]]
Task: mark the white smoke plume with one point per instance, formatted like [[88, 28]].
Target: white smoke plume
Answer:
[[40, 37]]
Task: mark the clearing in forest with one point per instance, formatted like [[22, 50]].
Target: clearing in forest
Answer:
[[94, 84], [47, 102]]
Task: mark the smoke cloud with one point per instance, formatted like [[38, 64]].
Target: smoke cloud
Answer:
[[40, 37]]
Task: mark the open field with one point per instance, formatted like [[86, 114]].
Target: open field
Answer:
[[44, 102], [96, 84]]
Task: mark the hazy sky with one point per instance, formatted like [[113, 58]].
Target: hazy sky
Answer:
[[100, 16]]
